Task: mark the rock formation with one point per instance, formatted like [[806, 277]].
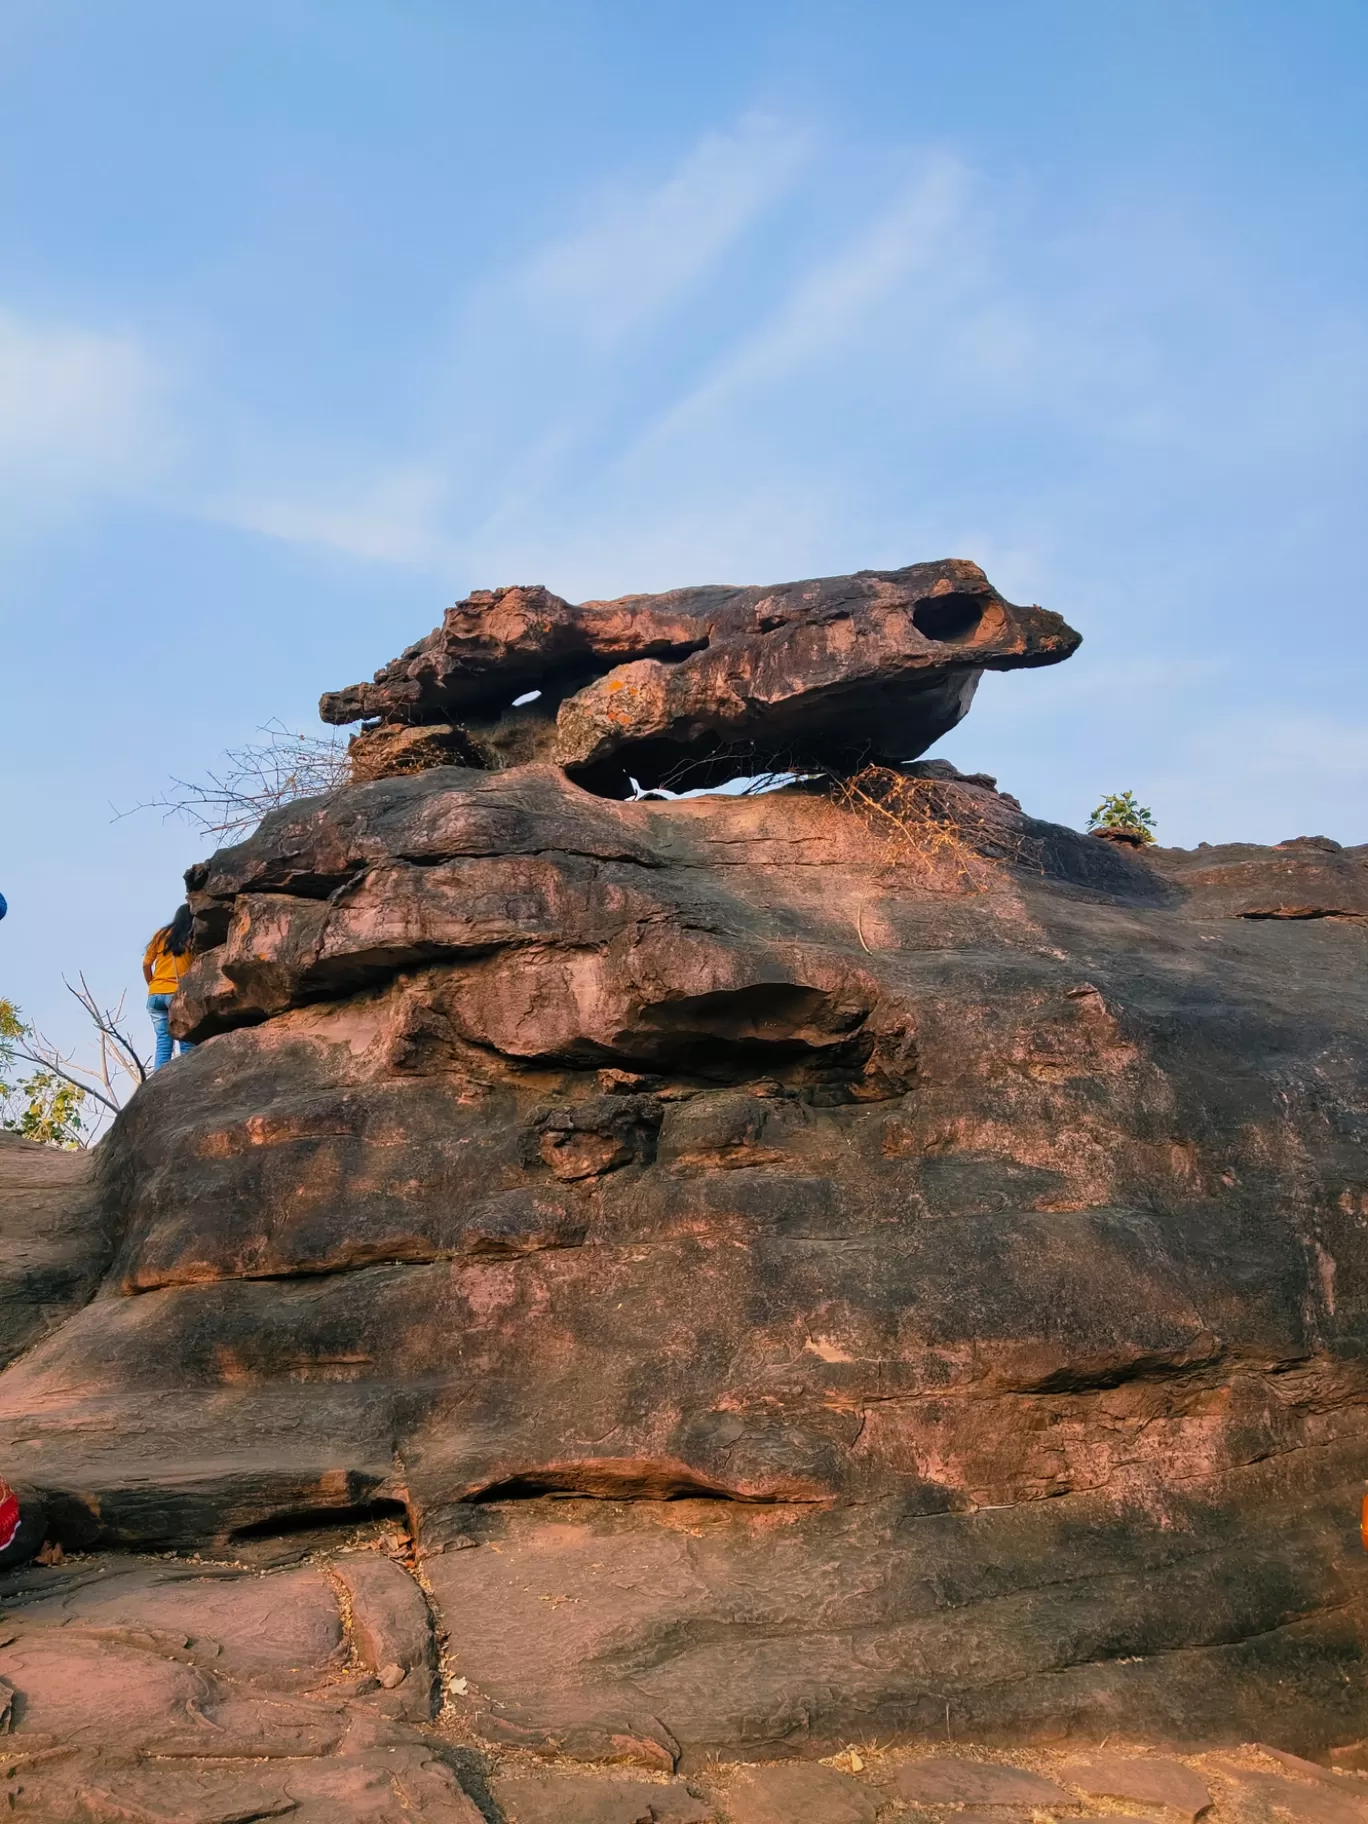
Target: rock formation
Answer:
[[802, 1267], [699, 685]]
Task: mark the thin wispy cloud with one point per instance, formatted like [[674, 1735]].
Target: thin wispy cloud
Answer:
[[830, 303], [79, 408], [938, 305], [394, 516], [638, 249]]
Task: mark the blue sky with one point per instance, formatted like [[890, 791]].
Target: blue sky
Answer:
[[314, 316]]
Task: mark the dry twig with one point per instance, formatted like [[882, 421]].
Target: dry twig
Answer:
[[927, 824], [118, 1065], [256, 779]]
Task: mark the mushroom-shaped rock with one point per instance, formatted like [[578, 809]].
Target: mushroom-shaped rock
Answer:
[[700, 684]]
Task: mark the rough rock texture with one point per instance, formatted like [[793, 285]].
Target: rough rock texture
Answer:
[[53, 1242], [671, 688], [947, 1780], [1146, 1780], [843, 1264], [142, 1690], [948, 1293], [558, 1798], [818, 1795]]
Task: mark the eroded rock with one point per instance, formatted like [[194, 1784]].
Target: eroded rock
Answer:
[[551, 1798], [817, 1795], [955, 1781], [201, 1694], [54, 1244], [701, 684], [1144, 1779], [852, 1263]]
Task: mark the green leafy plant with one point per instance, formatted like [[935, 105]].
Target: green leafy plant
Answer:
[[1121, 811], [42, 1106], [63, 1101]]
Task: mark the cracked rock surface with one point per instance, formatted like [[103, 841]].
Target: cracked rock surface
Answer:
[[151, 1689], [802, 1270]]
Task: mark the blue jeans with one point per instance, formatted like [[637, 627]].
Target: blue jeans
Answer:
[[158, 1006]]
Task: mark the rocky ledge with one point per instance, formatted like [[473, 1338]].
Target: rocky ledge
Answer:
[[855, 1263]]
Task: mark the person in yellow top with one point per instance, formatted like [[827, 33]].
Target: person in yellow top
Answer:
[[165, 961]]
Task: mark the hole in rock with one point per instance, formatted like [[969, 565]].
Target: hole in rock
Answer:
[[632, 1479], [948, 618], [687, 768], [315, 1519], [528, 696]]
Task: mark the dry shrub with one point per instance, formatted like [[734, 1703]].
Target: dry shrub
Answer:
[[955, 839], [256, 779]]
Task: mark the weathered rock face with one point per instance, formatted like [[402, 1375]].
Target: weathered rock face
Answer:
[[803, 1264], [171, 1693], [54, 1246], [942, 1286], [698, 685]]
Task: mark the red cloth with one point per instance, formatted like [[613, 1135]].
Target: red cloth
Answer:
[[9, 1515]]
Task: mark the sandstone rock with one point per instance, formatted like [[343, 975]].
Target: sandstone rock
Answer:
[[797, 1269], [392, 749], [671, 688], [1295, 1801], [176, 1795], [838, 1200], [53, 1243], [1312, 1770], [799, 1794], [1147, 1779], [949, 1780], [552, 1798], [146, 1690], [1294, 881], [391, 1629]]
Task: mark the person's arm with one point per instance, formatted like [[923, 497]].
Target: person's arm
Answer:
[[148, 954]]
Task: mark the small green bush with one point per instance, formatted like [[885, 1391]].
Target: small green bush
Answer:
[[1120, 811], [43, 1106]]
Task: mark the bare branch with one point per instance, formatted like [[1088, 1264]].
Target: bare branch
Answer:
[[255, 780], [952, 837], [105, 1020], [47, 1058], [117, 1058]]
